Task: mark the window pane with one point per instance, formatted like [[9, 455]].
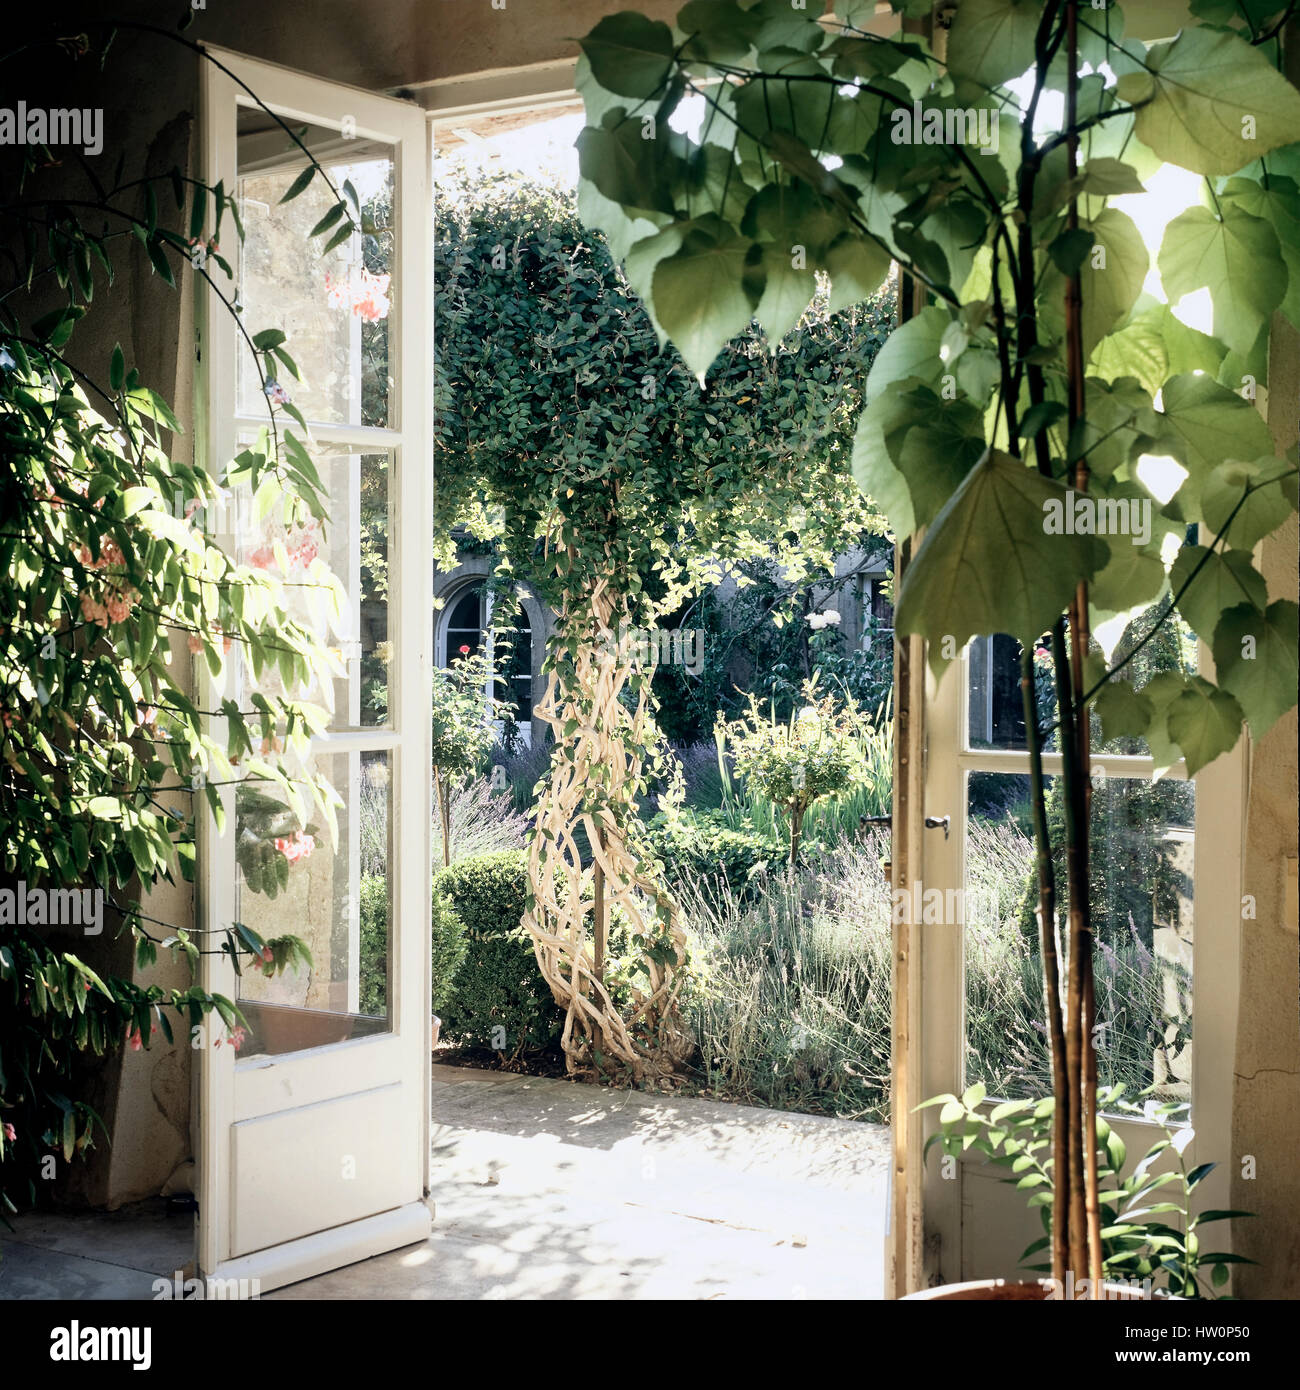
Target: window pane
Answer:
[[1142, 917], [353, 547], [334, 306], [291, 881], [995, 709]]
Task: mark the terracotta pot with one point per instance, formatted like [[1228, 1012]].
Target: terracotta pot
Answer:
[[1015, 1291]]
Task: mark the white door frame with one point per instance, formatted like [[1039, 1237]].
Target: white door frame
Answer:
[[956, 1247], [267, 1115]]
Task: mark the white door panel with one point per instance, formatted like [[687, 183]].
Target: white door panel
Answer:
[[313, 1145]]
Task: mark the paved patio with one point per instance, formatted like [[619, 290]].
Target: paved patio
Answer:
[[546, 1189]]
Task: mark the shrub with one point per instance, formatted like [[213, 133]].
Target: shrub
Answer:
[[499, 999], [448, 946], [701, 845]]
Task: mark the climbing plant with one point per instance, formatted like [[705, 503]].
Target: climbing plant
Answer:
[[116, 591], [614, 489], [735, 155]]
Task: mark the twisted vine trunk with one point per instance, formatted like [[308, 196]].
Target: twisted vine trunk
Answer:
[[596, 773]]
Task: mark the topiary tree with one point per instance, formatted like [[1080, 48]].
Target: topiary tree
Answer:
[[614, 488], [1031, 373], [798, 761]]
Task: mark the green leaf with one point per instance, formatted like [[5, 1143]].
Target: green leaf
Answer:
[[268, 338], [988, 565], [1204, 722], [786, 293], [857, 267], [299, 184], [911, 450], [705, 293], [1236, 257], [631, 55], [1265, 505], [1216, 103], [1106, 177], [623, 167], [1255, 659], [993, 40], [330, 218], [1110, 279], [1205, 424], [913, 349], [1279, 205], [1124, 712], [117, 368], [160, 262], [1225, 580]]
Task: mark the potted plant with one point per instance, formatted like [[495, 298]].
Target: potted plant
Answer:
[[1031, 378]]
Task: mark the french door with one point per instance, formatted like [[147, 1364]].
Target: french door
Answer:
[[314, 1117], [1166, 883]]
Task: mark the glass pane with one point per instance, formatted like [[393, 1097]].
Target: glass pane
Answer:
[[290, 881], [995, 710], [334, 306], [354, 547], [1142, 917]]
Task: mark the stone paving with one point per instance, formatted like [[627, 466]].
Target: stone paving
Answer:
[[547, 1189]]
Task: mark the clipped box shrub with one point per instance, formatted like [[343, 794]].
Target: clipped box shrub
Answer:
[[702, 845], [449, 946], [499, 999]]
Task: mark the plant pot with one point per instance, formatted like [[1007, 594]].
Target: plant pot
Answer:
[[435, 1027], [1018, 1291]]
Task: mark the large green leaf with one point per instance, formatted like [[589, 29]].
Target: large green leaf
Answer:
[[625, 168], [857, 268], [1206, 425], [1211, 102], [1236, 257], [629, 54], [1226, 579], [988, 565], [1124, 712], [1265, 505], [1279, 205], [912, 449], [911, 350], [1255, 659], [1204, 722], [993, 40], [786, 292], [705, 293], [1110, 278]]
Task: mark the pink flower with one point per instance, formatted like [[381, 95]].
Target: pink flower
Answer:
[[11, 1134], [237, 1036], [275, 393], [363, 294], [296, 846], [262, 558], [195, 643], [464, 651], [134, 1039]]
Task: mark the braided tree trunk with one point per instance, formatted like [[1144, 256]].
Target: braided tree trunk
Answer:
[[595, 777]]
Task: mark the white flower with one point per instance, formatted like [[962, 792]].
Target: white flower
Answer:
[[831, 618]]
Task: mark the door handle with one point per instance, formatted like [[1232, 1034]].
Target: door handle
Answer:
[[934, 822]]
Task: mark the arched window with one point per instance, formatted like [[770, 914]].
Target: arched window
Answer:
[[465, 624]]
